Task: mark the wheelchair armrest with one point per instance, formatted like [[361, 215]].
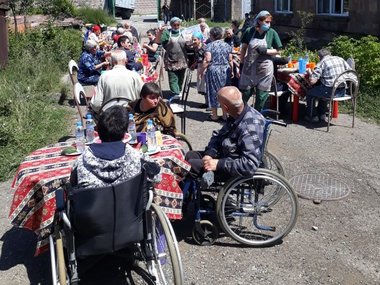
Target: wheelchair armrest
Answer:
[[60, 199]]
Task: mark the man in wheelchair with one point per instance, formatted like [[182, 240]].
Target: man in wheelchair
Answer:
[[234, 150]]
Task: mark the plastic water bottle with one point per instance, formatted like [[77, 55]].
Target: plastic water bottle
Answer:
[[90, 128], [132, 129], [151, 136], [301, 66], [79, 137], [307, 58]]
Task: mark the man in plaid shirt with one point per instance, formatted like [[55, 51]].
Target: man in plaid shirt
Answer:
[[236, 149], [323, 77]]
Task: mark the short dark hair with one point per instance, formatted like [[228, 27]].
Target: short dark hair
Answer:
[[216, 33], [112, 124], [151, 31], [150, 88], [121, 40], [236, 23]]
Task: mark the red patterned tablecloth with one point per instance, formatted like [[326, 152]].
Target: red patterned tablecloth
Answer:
[[45, 170]]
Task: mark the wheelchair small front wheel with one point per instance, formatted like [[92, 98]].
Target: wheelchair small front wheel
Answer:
[[205, 233], [258, 210]]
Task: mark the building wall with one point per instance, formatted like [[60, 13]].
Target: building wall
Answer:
[[90, 3], [146, 7], [363, 19]]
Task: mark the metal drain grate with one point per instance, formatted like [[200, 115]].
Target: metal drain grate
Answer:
[[319, 187]]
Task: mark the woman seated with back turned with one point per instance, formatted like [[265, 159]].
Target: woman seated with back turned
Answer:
[[112, 161], [151, 106]]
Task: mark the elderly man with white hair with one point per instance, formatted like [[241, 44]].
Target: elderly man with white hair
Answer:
[[116, 83], [90, 64]]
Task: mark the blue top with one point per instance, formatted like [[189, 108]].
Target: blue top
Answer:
[[108, 150], [87, 64]]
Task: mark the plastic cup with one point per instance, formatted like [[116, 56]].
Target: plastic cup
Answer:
[[141, 138]]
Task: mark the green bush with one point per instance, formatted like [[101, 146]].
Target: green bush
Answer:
[[29, 114], [365, 51], [94, 16]]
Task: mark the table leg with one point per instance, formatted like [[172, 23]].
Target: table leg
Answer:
[[296, 100], [335, 110], [273, 103]]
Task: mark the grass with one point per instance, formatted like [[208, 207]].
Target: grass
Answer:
[[94, 16], [30, 117]]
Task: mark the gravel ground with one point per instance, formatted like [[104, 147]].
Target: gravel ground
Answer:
[[333, 242]]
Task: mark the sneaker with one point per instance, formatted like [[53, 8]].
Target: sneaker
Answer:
[[322, 118], [314, 119]]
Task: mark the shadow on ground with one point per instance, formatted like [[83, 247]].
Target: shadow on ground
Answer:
[[18, 248]]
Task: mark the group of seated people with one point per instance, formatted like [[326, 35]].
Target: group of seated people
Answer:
[[95, 56], [234, 150]]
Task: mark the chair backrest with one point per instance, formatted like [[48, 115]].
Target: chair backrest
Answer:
[[73, 71], [80, 100], [107, 219], [121, 101], [348, 79], [351, 62]]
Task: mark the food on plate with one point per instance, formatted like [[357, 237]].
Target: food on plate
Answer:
[[69, 150]]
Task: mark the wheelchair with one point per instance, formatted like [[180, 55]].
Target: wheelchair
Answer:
[[255, 211], [118, 221]]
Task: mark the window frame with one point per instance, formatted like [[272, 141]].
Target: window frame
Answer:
[[330, 13], [284, 11]]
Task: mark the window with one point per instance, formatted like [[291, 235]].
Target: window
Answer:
[[283, 6], [333, 7]]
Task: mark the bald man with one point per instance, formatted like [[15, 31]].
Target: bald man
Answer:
[[236, 149]]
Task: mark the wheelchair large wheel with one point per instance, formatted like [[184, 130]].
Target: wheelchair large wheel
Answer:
[[259, 210], [271, 162], [167, 266], [186, 145]]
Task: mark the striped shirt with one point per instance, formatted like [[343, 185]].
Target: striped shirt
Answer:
[[238, 145], [328, 69]]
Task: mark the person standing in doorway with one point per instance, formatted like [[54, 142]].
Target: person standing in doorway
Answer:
[[259, 44]]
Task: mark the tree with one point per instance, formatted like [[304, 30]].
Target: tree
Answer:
[[20, 7]]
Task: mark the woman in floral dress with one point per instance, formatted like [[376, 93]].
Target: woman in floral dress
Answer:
[[218, 66]]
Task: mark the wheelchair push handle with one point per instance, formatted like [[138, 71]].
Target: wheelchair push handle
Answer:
[[278, 123], [266, 112]]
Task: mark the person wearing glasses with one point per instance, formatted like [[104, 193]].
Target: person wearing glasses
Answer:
[[259, 44]]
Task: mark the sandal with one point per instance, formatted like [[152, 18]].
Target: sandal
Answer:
[[218, 120], [209, 118]]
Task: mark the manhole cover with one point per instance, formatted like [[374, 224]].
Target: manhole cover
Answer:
[[319, 187]]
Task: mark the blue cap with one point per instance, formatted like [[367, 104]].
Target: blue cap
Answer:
[[89, 116], [79, 124], [198, 35]]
